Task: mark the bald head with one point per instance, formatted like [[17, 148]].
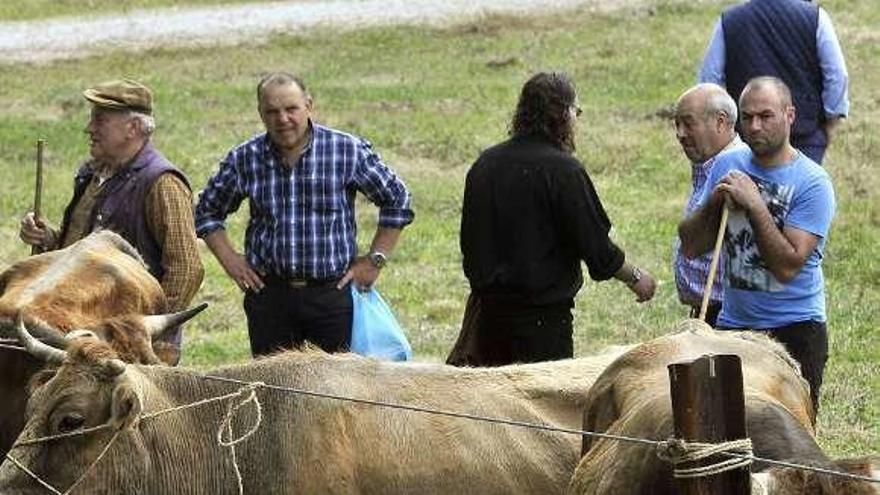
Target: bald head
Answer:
[[704, 121], [712, 98]]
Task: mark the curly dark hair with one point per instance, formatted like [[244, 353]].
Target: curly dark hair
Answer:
[[544, 109]]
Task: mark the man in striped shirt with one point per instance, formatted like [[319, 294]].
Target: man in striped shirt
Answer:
[[300, 179], [705, 116], [129, 187]]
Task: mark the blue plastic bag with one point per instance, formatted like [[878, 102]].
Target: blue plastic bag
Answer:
[[374, 330]]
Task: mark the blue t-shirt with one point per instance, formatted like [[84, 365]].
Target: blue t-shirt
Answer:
[[798, 194]]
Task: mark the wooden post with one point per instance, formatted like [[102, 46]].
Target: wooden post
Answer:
[[708, 406], [38, 189]]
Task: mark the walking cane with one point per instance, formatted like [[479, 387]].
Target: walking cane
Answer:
[[38, 189], [713, 266]]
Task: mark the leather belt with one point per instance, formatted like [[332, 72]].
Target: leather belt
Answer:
[[298, 281]]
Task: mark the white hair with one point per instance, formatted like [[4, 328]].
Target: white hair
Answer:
[[147, 123], [719, 101]]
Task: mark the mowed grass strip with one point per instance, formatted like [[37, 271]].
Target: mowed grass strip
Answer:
[[26, 10], [430, 100]]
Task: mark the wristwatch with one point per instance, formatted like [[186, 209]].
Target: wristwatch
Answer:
[[377, 258], [635, 277]]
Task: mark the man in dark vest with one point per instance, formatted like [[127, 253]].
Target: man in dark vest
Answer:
[[129, 187], [794, 41]]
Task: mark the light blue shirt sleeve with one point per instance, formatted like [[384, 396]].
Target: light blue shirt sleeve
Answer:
[[712, 70], [835, 80], [814, 209]]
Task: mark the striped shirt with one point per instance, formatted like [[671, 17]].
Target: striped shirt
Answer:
[[302, 219], [691, 274]]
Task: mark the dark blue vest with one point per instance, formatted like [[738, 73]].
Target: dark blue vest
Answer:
[[778, 38], [120, 203]]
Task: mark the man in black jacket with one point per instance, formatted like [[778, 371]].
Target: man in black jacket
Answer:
[[530, 216]]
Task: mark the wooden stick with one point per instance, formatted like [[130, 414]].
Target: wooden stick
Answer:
[[38, 189], [713, 267]]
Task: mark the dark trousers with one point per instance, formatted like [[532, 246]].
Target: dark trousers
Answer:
[[464, 352], [807, 342], [282, 317], [813, 152], [812, 145], [509, 333], [712, 311]]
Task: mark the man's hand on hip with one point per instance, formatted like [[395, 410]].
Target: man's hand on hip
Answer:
[[363, 273], [242, 272]]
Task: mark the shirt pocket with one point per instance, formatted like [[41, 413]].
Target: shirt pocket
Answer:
[[319, 196]]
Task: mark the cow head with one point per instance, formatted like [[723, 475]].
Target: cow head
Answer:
[[100, 284], [89, 388], [135, 338], [139, 338]]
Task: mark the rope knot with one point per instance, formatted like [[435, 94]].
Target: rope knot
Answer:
[[678, 451]]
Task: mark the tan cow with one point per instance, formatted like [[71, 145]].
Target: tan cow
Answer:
[[305, 444], [632, 398], [99, 284]]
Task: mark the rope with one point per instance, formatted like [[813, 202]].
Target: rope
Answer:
[[94, 463], [678, 451], [232, 408], [225, 424], [75, 433], [30, 473], [609, 436], [79, 480], [436, 412]]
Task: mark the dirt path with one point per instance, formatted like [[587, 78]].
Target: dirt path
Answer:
[[70, 37]]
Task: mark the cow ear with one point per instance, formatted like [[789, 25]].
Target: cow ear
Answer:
[[126, 407]]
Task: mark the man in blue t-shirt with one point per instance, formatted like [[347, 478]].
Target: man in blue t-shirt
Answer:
[[781, 206]]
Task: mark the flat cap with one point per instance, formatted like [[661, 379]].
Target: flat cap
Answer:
[[123, 94]]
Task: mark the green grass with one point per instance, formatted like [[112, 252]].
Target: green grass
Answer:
[[23, 10], [430, 100]]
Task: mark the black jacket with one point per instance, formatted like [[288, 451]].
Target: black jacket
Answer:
[[530, 215]]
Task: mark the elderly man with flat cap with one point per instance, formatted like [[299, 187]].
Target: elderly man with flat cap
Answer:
[[130, 188]]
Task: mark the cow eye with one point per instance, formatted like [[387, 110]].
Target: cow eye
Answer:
[[71, 422]]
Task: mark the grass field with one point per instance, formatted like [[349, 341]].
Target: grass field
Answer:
[[430, 101]]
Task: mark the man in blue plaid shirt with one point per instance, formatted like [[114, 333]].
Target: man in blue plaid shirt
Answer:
[[704, 121], [300, 179]]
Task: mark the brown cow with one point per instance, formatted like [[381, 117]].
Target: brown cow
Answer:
[[99, 284], [305, 444], [631, 398]]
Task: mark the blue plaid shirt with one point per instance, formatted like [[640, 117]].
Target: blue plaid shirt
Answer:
[[691, 275], [302, 217]]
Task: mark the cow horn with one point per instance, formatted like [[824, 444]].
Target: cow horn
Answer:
[[38, 349], [41, 331], [49, 335], [157, 324]]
